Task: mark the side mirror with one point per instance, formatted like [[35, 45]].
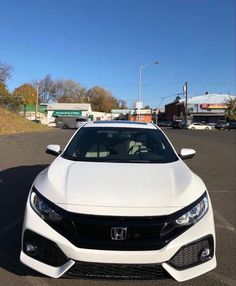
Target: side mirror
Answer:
[[186, 153], [53, 149]]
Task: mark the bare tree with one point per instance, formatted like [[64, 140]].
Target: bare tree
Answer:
[[5, 72], [47, 89], [69, 91]]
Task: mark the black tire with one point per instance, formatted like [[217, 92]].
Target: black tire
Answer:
[[65, 126], [207, 128], [193, 128]]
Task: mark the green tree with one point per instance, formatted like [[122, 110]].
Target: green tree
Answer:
[[3, 90], [231, 110], [7, 99], [4, 94], [25, 94]]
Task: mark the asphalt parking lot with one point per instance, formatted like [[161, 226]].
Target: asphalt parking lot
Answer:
[[22, 156]]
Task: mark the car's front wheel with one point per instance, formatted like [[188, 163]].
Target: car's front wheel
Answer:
[[193, 128]]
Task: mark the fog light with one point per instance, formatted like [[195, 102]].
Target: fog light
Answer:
[[31, 249], [205, 254]]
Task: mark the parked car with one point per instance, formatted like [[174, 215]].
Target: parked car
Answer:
[[120, 202], [165, 123], [179, 124], [199, 126], [70, 122], [222, 125], [66, 122], [232, 125]]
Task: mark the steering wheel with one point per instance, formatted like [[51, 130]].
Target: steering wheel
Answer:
[[140, 150]]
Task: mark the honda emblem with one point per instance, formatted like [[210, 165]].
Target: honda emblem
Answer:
[[119, 233]]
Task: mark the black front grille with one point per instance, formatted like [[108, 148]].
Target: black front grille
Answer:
[[116, 271], [189, 255], [94, 231]]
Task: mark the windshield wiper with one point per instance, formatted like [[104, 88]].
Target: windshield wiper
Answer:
[[69, 157], [103, 160]]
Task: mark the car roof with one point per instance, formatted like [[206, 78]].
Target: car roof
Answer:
[[120, 123]]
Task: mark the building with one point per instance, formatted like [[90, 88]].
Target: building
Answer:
[[209, 108], [67, 109], [144, 115], [174, 111]]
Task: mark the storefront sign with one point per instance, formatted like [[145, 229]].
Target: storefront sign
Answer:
[[213, 106], [67, 113]]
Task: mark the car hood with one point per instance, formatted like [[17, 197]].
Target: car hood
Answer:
[[119, 188]]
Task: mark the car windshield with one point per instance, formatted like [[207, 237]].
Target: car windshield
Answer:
[[112, 144]]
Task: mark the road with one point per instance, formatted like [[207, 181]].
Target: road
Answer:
[[22, 156]]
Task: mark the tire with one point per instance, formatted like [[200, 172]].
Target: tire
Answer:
[[193, 128], [207, 128], [65, 126]]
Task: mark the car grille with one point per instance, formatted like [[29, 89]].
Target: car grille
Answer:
[[94, 232], [116, 271], [189, 255]]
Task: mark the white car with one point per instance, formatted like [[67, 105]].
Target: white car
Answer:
[[199, 126], [119, 202]]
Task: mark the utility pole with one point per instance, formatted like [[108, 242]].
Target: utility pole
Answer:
[[139, 92], [37, 101], [185, 92]]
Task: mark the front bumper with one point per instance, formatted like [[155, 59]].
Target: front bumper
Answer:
[[138, 259]]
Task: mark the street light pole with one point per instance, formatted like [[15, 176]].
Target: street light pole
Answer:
[[185, 91], [37, 101], [140, 85]]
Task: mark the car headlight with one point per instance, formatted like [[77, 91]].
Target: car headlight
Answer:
[[42, 209], [194, 214]]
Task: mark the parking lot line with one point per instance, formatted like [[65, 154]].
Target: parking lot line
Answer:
[[224, 222]]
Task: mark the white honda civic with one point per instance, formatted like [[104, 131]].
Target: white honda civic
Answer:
[[119, 202]]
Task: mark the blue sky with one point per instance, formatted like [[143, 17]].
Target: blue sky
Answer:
[[104, 42]]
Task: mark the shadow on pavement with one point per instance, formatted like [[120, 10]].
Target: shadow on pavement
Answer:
[[15, 184]]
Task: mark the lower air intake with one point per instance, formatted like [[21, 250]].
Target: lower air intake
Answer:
[[116, 271]]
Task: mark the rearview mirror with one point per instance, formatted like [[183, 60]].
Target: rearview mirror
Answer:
[[53, 149], [186, 153]]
